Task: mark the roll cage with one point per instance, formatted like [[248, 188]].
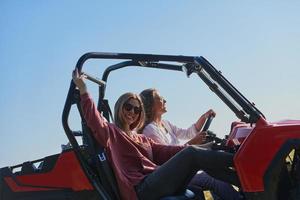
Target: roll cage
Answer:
[[243, 109]]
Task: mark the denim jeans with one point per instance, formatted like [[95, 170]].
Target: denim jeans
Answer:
[[173, 176]]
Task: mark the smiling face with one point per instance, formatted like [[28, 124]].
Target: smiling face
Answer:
[[159, 104], [131, 111], [127, 117]]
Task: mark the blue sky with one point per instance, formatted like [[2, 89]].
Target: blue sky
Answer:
[[254, 43]]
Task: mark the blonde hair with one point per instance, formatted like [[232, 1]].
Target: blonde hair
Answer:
[[119, 115], [147, 97]]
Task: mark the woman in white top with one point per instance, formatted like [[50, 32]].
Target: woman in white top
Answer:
[[164, 132]]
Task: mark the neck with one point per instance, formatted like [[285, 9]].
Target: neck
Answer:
[[157, 119], [127, 129]]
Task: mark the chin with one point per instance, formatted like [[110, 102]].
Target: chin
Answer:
[[131, 121]]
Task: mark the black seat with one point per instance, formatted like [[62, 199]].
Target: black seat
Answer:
[[27, 168], [101, 165], [48, 163]]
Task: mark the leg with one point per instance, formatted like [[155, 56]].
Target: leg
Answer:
[[174, 175], [222, 189]]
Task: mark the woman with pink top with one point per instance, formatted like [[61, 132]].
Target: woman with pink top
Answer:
[[164, 132], [145, 169]]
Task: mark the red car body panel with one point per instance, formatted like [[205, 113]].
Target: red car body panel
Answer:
[[259, 148], [66, 174], [239, 132], [17, 188]]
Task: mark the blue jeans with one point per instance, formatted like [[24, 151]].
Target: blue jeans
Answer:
[[174, 176]]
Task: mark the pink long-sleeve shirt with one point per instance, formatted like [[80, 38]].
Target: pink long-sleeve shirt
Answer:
[[132, 158]]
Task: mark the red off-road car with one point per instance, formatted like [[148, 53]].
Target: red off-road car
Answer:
[[266, 154]]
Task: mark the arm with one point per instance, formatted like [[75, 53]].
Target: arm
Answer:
[[95, 121], [198, 139], [162, 153], [200, 122], [181, 133], [192, 131], [99, 126]]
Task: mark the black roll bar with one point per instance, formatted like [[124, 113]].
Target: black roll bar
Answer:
[[249, 108], [73, 94], [249, 113], [155, 65], [104, 55]]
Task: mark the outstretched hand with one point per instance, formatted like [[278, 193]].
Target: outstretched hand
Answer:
[[198, 139], [199, 124], [78, 79], [209, 113]]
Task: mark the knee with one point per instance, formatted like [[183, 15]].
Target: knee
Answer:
[[190, 150]]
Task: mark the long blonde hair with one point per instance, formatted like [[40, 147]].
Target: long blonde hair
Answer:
[[119, 115], [147, 97]]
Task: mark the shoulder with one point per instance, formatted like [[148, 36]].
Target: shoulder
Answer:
[[152, 131], [151, 125], [167, 122], [150, 128]]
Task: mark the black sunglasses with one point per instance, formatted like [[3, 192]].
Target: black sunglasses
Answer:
[[128, 107]]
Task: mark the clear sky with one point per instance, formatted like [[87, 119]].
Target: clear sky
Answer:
[[256, 44]]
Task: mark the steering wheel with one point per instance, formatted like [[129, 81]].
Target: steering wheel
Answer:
[[212, 137], [207, 123]]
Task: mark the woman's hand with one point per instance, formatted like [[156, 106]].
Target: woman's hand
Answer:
[[209, 113], [198, 139], [79, 81], [199, 124]]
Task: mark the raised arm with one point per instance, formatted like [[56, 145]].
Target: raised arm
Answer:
[[182, 133], [192, 130], [200, 122], [95, 121]]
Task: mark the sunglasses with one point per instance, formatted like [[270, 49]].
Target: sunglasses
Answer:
[[128, 107]]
